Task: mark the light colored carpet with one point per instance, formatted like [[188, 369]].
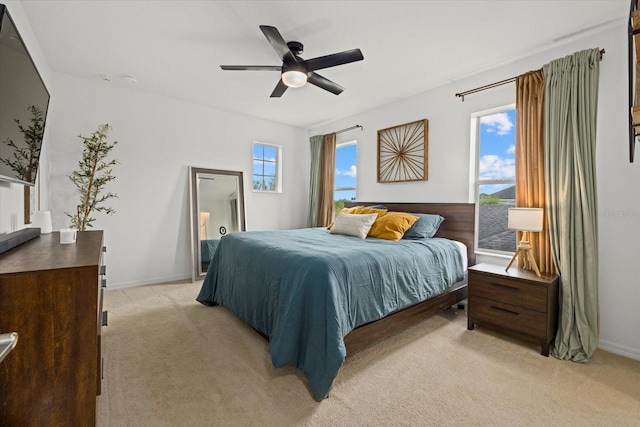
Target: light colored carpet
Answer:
[[170, 361]]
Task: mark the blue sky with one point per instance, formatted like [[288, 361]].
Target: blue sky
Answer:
[[346, 171], [497, 148]]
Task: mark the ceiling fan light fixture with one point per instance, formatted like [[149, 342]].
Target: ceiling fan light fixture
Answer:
[[294, 78]]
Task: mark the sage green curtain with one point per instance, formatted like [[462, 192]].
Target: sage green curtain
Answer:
[[314, 180], [571, 100]]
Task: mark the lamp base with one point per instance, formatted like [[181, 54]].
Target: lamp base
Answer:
[[524, 248]]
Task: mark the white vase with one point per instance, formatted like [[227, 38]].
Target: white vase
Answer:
[[42, 219]]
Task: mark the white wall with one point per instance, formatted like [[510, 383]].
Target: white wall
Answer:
[[11, 195], [148, 238], [449, 148]]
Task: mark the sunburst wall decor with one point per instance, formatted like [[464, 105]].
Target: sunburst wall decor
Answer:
[[403, 152]]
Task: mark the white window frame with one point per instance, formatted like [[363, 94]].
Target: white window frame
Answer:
[[278, 166], [474, 170]]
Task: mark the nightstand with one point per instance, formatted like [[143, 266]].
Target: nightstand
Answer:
[[515, 301]]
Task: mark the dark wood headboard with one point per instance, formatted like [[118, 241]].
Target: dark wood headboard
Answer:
[[459, 219]]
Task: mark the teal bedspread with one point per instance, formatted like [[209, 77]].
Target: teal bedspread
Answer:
[[207, 249], [306, 289]]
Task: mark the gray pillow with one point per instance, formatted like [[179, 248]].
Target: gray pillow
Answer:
[[425, 227]]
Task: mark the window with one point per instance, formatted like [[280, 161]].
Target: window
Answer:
[[267, 168], [345, 175], [494, 178]]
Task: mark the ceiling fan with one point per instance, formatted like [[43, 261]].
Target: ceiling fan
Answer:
[[296, 72]]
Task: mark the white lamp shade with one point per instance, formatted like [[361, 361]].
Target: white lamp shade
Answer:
[[525, 219], [294, 78], [42, 219]]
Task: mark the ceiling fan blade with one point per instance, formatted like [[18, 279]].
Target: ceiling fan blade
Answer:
[[252, 67], [279, 90], [279, 45], [326, 84], [327, 61]]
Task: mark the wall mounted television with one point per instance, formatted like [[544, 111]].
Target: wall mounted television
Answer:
[[24, 101]]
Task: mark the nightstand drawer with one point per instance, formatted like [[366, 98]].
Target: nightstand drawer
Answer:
[[510, 316], [508, 291]]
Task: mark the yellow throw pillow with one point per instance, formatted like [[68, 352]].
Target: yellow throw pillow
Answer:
[[392, 226], [360, 210]]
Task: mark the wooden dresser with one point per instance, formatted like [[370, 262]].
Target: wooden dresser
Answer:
[[51, 295], [516, 301]]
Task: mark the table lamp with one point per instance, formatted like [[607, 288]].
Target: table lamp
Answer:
[[525, 220]]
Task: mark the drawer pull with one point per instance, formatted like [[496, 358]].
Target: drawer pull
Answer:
[[493, 307], [511, 288]]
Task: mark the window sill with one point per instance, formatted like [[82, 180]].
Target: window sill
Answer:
[[505, 255], [266, 192]]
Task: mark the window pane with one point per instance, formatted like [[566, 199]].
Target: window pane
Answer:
[[257, 151], [496, 161], [258, 183], [270, 153], [270, 183], [346, 170], [341, 196], [497, 146], [493, 210], [269, 168], [257, 167], [345, 176]]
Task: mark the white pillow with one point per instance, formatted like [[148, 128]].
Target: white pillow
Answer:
[[353, 224]]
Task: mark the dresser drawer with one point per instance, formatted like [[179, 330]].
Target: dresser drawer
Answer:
[[522, 294], [509, 316]]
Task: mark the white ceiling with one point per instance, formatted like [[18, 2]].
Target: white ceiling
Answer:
[[175, 48]]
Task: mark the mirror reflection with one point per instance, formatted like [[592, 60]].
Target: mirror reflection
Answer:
[[23, 107], [217, 208]]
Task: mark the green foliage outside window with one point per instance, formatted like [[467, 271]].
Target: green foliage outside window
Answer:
[[264, 185], [489, 199]]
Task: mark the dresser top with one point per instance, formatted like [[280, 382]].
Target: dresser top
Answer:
[[46, 253], [514, 273]]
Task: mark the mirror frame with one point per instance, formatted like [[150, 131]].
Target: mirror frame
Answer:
[[194, 204]]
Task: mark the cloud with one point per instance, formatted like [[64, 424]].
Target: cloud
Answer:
[[511, 149], [498, 123], [495, 167], [352, 172]]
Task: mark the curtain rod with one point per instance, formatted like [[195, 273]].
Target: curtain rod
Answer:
[[348, 129], [500, 83]]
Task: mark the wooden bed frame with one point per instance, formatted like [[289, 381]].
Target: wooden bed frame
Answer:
[[459, 224]]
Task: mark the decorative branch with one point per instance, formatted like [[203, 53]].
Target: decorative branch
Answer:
[[26, 156], [93, 173]]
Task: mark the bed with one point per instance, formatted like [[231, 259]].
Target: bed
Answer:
[[319, 296], [207, 249]]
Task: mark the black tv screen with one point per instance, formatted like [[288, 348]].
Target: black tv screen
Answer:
[[24, 101]]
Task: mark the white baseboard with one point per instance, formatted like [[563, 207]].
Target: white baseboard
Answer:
[[622, 350], [155, 281]]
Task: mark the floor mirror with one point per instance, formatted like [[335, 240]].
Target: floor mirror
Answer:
[[217, 208]]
